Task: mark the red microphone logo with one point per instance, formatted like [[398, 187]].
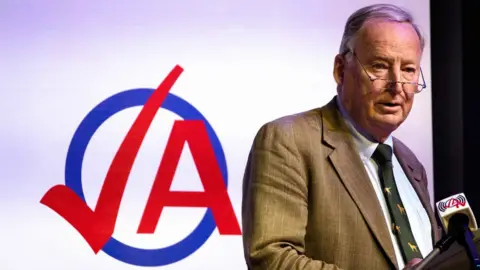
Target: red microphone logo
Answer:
[[457, 202]]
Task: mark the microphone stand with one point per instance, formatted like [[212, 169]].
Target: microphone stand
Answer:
[[471, 249], [463, 235], [439, 247]]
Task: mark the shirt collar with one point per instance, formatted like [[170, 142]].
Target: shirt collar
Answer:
[[365, 145]]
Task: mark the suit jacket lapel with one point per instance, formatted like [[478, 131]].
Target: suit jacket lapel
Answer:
[[351, 170], [414, 171]]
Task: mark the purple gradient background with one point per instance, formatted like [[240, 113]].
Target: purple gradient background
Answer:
[[246, 62]]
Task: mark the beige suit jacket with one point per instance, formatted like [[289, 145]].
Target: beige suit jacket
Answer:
[[308, 202]]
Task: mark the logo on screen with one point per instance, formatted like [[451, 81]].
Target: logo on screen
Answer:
[[457, 202], [97, 225]]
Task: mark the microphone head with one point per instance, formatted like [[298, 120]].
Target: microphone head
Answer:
[[456, 206]]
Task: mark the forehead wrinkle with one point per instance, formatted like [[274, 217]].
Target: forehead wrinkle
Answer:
[[374, 43]]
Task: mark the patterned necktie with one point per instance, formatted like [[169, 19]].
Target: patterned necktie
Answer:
[[400, 225]]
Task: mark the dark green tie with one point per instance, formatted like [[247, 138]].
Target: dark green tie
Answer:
[[400, 225]]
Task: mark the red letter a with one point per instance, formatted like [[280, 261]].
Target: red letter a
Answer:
[[215, 195]]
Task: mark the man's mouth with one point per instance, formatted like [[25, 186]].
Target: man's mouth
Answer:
[[390, 104]]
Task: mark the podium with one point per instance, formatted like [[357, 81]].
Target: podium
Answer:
[[455, 258]]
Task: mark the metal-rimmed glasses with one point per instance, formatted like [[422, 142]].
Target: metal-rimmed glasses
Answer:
[[382, 83]]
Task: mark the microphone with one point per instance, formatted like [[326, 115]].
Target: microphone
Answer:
[[454, 206], [458, 221]]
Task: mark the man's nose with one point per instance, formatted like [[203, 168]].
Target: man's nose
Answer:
[[396, 84]]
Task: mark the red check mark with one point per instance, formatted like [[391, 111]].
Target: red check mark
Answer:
[[98, 226]]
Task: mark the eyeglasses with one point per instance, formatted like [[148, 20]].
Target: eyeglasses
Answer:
[[381, 83]]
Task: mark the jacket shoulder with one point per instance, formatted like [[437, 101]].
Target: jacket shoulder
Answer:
[[311, 118]]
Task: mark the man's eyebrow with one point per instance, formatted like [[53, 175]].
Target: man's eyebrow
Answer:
[[375, 56], [381, 57], [378, 57]]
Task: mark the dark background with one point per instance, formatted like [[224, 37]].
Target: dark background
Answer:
[[455, 98]]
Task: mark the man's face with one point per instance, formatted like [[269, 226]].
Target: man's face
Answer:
[[389, 50]]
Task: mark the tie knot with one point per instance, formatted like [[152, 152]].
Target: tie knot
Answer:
[[383, 154]]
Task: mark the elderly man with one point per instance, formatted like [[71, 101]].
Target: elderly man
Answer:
[[331, 188]]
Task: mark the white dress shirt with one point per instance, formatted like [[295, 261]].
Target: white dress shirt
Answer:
[[417, 215]]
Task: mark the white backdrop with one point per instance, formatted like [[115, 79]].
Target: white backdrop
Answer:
[[62, 58]]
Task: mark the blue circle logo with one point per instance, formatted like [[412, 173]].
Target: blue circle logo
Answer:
[[73, 179]]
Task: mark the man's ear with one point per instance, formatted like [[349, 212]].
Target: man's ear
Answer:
[[339, 68]]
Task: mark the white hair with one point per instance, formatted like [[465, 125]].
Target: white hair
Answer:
[[385, 12]]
